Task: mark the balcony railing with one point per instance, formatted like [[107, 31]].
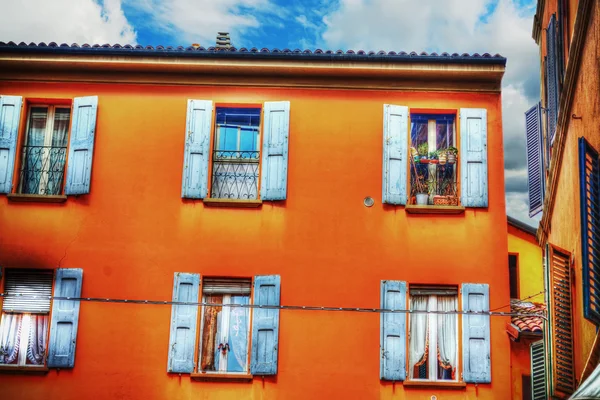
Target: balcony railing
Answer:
[[235, 175], [42, 170], [439, 179]]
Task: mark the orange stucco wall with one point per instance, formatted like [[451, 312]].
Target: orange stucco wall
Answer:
[[134, 231]]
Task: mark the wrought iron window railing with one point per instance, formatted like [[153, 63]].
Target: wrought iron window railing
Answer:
[[437, 179], [235, 175], [42, 170]]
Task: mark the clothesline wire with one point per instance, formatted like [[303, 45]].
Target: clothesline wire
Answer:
[[274, 307], [519, 301]]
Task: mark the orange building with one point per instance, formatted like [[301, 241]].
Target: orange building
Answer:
[[209, 223], [563, 164]]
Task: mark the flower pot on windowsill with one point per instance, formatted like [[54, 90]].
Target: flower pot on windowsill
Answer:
[[451, 158], [445, 200], [422, 199], [433, 161], [424, 161]]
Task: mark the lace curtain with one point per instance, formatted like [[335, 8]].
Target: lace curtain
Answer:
[[38, 332], [419, 336], [447, 337], [10, 335]]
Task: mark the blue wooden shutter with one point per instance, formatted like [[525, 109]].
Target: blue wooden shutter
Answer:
[[473, 155], [535, 164], [194, 184], [265, 325], [183, 323], [538, 371], [589, 185], [65, 318], [393, 331], [552, 78], [276, 131], [476, 333], [81, 145], [10, 116], [395, 153]]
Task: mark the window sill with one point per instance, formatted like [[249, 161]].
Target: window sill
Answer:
[[415, 209], [8, 369], [216, 377], [232, 203], [438, 385], [36, 198]]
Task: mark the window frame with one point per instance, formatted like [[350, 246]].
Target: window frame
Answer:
[[200, 334], [431, 348], [213, 144], [50, 107], [22, 358]]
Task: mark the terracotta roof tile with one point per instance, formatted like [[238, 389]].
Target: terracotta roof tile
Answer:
[[526, 323]]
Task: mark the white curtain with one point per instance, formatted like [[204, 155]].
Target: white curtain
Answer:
[[447, 339], [10, 335], [38, 331], [418, 332]]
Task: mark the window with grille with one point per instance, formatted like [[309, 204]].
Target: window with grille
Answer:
[[44, 150], [433, 155], [589, 184], [433, 338], [236, 154], [225, 329], [24, 322], [563, 374]]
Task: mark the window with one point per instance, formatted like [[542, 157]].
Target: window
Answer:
[[513, 273], [225, 330], [24, 323], [45, 150], [433, 338], [433, 157], [236, 154], [526, 387]]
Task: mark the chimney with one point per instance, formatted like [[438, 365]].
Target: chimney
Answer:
[[223, 40]]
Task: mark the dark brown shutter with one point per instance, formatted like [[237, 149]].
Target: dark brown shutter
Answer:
[[563, 381]]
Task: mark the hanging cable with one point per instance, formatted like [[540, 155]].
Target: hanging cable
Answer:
[[275, 307], [519, 301]]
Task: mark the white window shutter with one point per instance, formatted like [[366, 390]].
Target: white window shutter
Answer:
[[474, 158], [393, 331], [10, 116], [265, 325], [183, 323], [81, 145], [476, 333], [276, 131], [194, 183], [395, 153], [65, 318]]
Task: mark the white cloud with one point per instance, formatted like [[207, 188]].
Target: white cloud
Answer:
[[65, 21], [198, 21]]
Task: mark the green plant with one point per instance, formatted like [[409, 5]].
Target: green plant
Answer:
[[422, 149], [417, 181], [452, 150], [433, 155], [431, 186]]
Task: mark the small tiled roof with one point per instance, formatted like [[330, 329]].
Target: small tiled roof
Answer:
[[233, 52], [526, 323]]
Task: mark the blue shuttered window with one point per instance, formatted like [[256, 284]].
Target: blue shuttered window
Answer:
[[589, 184], [182, 338], [535, 164], [393, 331], [395, 142], [273, 184], [65, 318], [473, 164], [196, 152], [265, 325], [10, 116], [552, 88], [476, 333], [81, 145]]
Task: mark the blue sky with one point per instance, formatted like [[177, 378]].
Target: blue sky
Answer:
[[462, 26]]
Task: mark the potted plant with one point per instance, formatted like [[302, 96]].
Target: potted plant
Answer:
[[433, 157], [419, 186], [451, 153], [422, 150], [431, 189], [442, 157]]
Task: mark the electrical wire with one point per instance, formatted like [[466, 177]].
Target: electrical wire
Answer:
[[519, 301], [275, 307]]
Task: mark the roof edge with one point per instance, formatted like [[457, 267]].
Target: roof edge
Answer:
[[521, 225]]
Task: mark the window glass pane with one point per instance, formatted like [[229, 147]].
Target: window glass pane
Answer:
[[36, 343], [444, 135], [418, 134], [238, 335], [419, 338], [38, 117], [10, 330], [513, 276], [248, 141], [447, 338], [228, 139], [60, 133], [58, 152], [34, 154]]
